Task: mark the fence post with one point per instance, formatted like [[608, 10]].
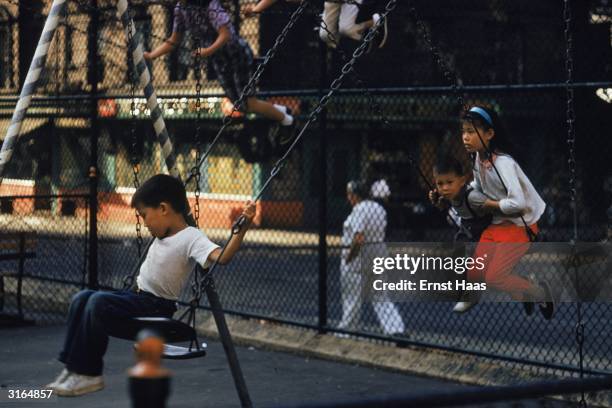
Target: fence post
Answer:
[[92, 49], [322, 324]]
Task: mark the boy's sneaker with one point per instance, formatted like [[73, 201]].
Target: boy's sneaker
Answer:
[[528, 307], [59, 379], [78, 384]]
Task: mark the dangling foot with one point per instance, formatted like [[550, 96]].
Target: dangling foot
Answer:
[[528, 307], [78, 384], [59, 379], [288, 118], [548, 308], [383, 32]]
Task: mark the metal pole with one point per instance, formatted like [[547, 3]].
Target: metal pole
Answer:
[[146, 83], [92, 49], [31, 82], [228, 345], [322, 248]]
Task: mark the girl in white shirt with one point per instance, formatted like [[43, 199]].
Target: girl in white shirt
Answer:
[[517, 207]]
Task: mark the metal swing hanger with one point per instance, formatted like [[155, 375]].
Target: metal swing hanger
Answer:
[[312, 117]]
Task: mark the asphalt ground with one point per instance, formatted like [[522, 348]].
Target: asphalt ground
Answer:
[[275, 379]]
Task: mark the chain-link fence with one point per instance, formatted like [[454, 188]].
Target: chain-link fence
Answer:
[[387, 122]]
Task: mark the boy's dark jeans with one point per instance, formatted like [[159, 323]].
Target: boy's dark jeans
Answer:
[[93, 315]]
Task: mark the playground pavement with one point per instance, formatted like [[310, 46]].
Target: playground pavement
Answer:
[[27, 361]]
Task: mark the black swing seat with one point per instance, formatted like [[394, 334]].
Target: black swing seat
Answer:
[[172, 352], [173, 331]]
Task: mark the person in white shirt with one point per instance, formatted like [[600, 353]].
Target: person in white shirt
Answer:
[[363, 236], [93, 315], [510, 192]]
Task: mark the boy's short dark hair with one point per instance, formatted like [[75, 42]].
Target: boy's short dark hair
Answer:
[[162, 188], [447, 163]]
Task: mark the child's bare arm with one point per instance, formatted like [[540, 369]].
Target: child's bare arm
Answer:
[[236, 239], [166, 47], [222, 38]]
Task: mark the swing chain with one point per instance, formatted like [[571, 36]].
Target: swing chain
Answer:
[[134, 137], [360, 83], [250, 86], [312, 117], [450, 75], [128, 281], [198, 65], [571, 162], [379, 111], [570, 113]]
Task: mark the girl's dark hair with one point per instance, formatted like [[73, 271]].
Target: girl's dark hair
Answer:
[[162, 188], [447, 163], [500, 143]]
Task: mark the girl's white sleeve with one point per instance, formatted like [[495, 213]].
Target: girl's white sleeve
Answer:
[[515, 199], [475, 183]]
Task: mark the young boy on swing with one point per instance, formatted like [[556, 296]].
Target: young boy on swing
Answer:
[[94, 315], [229, 54]]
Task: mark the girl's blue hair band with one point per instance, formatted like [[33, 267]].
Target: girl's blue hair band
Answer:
[[482, 113]]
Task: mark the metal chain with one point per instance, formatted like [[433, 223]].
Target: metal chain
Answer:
[[571, 162], [312, 117], [453, 80], [379, 111], [450, 74], [128, 281], [250, 86], [197, 287], [198, 67]]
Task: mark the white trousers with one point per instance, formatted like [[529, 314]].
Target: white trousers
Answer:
[[352, 299], [340, 20]]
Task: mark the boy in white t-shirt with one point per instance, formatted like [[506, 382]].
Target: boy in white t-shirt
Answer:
[[93, 315]]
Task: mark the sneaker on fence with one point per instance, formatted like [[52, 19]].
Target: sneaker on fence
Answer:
[[59, 379], [78, 384]]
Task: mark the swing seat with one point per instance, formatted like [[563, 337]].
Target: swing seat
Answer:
[[172, 352], [173, 331]]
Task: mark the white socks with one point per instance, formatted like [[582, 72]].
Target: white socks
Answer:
[[375, 18], [288, 119]]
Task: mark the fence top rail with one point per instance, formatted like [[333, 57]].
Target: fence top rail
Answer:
[[347, 91], [42, 196]]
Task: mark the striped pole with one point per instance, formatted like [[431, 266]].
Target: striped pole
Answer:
[[135, 48], [31, 82]]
